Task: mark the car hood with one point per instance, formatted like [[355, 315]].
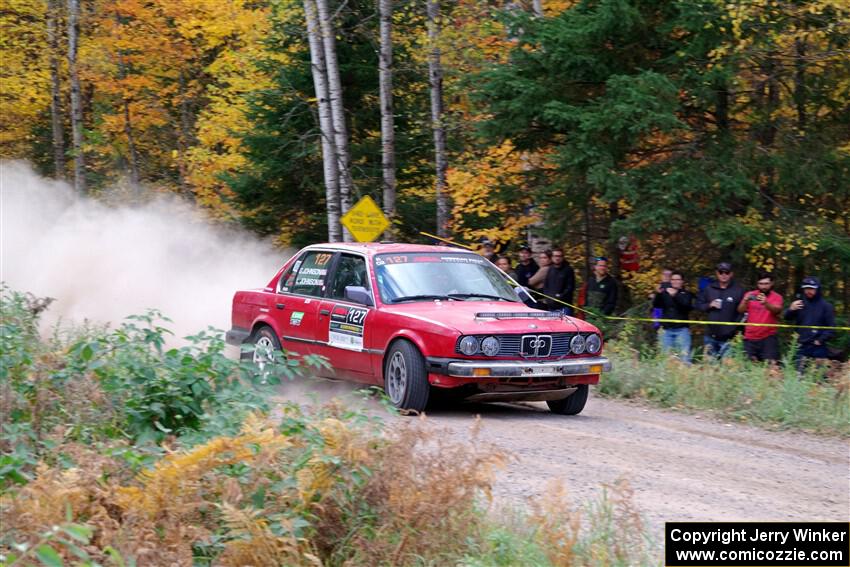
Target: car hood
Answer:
[[485, 317]]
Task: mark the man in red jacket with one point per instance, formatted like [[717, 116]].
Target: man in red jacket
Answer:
[[762, 305]]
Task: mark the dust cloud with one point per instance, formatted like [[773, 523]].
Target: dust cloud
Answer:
[[103, 262]]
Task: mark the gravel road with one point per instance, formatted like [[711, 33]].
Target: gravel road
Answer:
[[682, 467]]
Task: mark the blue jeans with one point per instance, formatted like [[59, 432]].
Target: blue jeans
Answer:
[[678, 340], [716, 348]]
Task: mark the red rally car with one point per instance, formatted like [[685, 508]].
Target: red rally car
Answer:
[[415, 319]]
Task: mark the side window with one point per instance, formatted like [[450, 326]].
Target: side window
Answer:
[[308, 275], [351, 270]]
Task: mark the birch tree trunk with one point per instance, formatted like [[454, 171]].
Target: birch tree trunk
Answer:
[[329, 158], [55, 91], [435, 75], [537, 8], [184, 136], [385, 8], [343, 158], [76, 102]]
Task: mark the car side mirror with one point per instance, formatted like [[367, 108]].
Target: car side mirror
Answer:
[[358, 294], [523, 295]]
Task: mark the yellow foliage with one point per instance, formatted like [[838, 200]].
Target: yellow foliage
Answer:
[[254, 544], [781, 240], [475, 185], [24, 73], [172, 486]]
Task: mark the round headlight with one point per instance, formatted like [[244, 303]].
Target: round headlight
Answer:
[[593, 343], [577, 344], [469, 345], [490, 346]]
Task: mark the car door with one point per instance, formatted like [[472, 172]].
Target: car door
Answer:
[[344, 327], [298, 300]]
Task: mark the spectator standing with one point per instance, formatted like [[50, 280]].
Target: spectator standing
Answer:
[[762, 305], [601, 290], [504, 264], [544, 260], [526, 267], [720, 300], [488, 250], [560, 282], [675, 302], [665, 283], [811, 310]]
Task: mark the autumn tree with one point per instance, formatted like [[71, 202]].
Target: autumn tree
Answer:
[[660, 114]]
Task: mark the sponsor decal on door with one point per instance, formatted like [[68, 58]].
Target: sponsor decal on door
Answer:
[[346, 327]]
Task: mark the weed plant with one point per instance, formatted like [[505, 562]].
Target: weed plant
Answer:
[[120, 451], [734, 387]]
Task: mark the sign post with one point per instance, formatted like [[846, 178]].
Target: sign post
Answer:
[[365, 220]]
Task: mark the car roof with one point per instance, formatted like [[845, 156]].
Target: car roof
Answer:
[[373, 248]]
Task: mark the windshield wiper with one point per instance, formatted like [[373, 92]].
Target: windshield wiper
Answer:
[[484, 295], [419, 298]]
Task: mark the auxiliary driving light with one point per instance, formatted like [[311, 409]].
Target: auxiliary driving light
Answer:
[[490, 346], [577, 344], [593, 343], [469, 345]]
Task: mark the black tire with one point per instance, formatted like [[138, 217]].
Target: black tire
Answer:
[[572, 404], [262, 336], [405, 377]]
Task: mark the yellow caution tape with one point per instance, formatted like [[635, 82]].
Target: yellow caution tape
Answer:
[[434, 236], [651, 319]]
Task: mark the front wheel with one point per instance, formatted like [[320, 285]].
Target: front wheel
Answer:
[[405, 377], [571, 405]]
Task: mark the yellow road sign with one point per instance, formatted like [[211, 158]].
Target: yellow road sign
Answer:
[[365, 220]]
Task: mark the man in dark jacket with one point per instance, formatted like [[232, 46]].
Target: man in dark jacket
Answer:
[[560, 282], [601, 290], [812, 309], [720, 299], [526, 267], [676, 303]]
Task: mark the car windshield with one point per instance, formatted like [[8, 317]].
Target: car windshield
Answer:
[[427, 276]]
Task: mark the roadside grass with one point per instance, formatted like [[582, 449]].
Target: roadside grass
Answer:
[[119, 451], [816, 400]]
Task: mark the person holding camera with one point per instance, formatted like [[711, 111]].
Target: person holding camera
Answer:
[[666, 274], [526, 267], [761, 306], [811, 310], [675, 302], [720, 300]]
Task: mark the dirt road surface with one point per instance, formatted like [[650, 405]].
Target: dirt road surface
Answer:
[[682, 467]]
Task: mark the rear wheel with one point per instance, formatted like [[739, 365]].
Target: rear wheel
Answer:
[[405, 377], [265, 344], [572, 404]]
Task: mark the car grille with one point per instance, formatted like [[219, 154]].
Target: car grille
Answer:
[[509, 345]]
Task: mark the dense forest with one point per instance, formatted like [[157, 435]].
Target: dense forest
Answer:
[[702, 130]]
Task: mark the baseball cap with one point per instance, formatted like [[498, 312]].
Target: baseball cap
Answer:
[[810, 282], [525, 247], [724, 267]]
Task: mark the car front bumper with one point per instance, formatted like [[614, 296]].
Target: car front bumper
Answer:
[[525, 369]]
